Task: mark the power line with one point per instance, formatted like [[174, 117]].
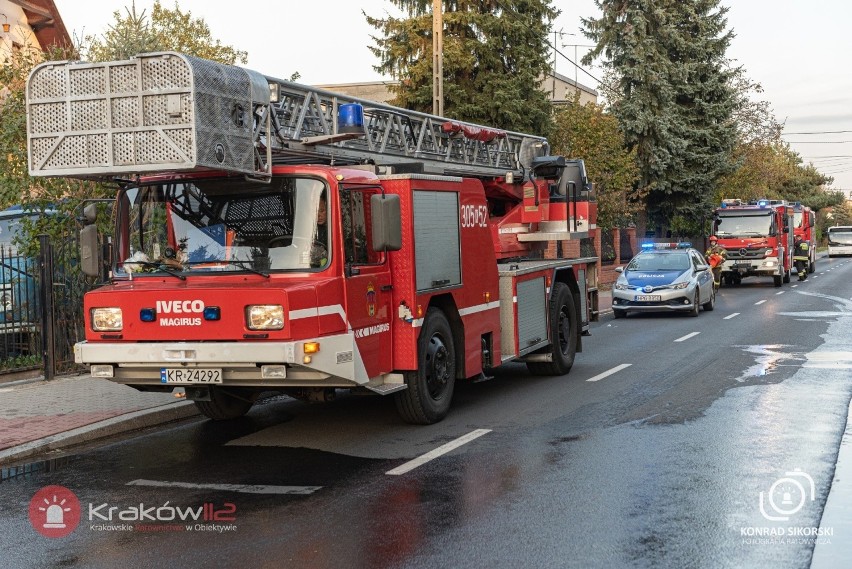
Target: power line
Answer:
[[572, 62], [819, 141], [819, 132]]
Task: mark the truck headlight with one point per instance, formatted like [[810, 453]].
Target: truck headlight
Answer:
[[265, 317], [107, 319]]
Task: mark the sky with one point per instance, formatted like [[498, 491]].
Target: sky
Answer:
[[797, 50]]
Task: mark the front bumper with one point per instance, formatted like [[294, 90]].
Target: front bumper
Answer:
[[670, 300], [768, 267], [337, 364]]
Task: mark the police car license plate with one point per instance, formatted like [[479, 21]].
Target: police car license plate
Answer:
[[191, 375], [648, 298]]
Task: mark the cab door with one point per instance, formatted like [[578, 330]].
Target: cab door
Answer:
[[367, 284]]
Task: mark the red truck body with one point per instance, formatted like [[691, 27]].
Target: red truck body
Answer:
[[294, 266], [804, 226]]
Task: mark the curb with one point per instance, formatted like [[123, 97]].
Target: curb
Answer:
[[837, 550], [102, 429]]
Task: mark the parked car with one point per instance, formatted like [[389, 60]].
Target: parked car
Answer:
[[664, 277], [20, 312]]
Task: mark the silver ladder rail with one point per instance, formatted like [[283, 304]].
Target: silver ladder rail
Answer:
[[304, 128]]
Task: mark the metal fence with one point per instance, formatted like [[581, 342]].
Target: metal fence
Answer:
[[42, 307]]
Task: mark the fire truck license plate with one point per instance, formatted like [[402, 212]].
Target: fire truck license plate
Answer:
[[648, 298], [190, 375]]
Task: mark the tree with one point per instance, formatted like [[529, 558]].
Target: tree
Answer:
[[495, 55], [586, 131], [675, 105], [166, 30], [126, 37]]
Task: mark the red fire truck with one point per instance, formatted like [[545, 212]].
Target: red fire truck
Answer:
[[804, 226], [758, 238], [273, 236]]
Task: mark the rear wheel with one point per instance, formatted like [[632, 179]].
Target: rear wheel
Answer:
[[430, 388], [226, 404], [563, 333]]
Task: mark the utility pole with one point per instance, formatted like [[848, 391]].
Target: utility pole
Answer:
[[553, 71], [437, 58]]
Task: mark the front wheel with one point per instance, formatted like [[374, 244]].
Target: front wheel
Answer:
[[226, 404], [563, 334], [430, 388], [695, 304], [778, 280], [710, 304]]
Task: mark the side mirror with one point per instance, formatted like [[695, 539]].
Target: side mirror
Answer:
[[90, 214], [387, 222], [90, 262], [702, 267], [619, 269]]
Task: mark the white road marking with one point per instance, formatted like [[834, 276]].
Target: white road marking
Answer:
[[731, 316], [777, 293], [794, 286], [607, 373], [687, 337], [441, 450], [760, 302], [244, 488]]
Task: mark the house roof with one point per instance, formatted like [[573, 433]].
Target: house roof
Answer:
[[46, 23]]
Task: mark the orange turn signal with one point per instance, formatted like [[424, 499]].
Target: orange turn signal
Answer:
[[311, 347]]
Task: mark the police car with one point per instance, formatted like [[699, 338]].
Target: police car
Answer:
[[667, 277]]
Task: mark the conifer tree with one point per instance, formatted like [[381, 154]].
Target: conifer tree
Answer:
[[676, 103], [495, 56]]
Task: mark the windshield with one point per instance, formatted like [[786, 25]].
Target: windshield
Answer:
[[744, 225], [223, 225], [10, 228], [659, 262], [798, 216], [840, 235]]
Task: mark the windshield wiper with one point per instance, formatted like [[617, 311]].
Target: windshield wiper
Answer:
[[244, 265], [158, 266]]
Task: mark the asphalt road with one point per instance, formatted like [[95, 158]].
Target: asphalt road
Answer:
[[655, 451]]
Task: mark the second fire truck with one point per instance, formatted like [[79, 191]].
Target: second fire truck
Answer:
[[758, 238], [273, 236]]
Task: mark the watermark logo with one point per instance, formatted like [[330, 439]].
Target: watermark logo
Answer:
[[54, 511], [787, 496]]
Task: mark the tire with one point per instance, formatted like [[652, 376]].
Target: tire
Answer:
[[563, 333], [430, 388], [225, 405], [619, 314], [710, 304], [695, 306], [777, 280], [812, 267], [787, 276]]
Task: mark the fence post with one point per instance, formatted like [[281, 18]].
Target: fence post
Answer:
[[46, 297]]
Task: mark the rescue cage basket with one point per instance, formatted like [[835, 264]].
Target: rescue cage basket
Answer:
[[166, 111]]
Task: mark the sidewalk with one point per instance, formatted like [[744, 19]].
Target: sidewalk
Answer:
[[37, 416]]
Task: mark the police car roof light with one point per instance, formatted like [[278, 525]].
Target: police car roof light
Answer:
[[680, 245], [763, 203]]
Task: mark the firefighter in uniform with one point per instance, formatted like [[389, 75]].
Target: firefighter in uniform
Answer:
[[801, 257], [715, 256]]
